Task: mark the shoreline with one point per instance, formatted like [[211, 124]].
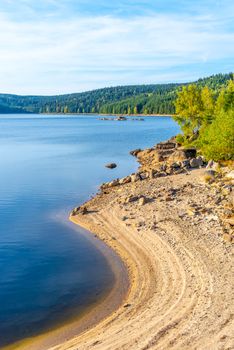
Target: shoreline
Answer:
[[179, 267], [178, 264]]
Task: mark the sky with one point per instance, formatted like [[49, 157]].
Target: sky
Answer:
[[50, 47]]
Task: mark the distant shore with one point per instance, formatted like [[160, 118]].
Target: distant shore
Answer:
[[111, 114]]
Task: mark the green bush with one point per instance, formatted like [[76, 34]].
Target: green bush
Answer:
[[217, 139]]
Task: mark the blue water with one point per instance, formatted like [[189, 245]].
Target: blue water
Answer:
[[48, 165]]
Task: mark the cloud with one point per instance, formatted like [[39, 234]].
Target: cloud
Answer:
[[52, 54]]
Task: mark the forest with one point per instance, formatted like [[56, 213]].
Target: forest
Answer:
[[132, 99]]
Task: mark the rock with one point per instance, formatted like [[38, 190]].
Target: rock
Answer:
[[111, 165], [177, 156], [168, 198], [135, 177], [212, 217], [125, 180], [185, 163], [151, 173], [83, 210], [191, 211], [160, 174], [230, 175], [75, 211], [127, 305], [114, 183], [163, 167], [212, 165], [131, 199], [135, 152], [200, 159], [175, 165], [196, 162], [144, 175], [166, 145], [142, 201], [79, 210], [231, 198]]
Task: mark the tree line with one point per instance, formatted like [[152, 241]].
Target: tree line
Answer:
[[133, 99]]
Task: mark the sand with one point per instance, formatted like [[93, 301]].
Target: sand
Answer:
[[180, 269]]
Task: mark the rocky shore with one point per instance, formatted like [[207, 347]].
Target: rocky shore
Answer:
[[172, 225]]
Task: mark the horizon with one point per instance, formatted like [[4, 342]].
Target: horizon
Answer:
[[60, 47]]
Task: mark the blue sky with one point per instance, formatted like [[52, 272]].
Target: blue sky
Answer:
[[61, 46]]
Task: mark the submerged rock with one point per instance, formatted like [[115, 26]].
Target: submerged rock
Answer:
[[111, 165]]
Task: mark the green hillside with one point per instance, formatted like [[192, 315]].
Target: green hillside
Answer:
[[133, 99]]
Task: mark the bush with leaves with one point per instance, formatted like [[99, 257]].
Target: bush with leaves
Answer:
[[217, 140]]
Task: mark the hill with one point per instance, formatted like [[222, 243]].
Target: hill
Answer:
[[132, 99]]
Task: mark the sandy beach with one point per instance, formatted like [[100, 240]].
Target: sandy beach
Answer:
[[180, 268]]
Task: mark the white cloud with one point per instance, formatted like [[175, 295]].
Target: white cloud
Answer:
[[58, 56]]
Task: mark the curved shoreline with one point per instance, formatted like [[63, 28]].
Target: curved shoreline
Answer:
[[180, 269], [179, 273]]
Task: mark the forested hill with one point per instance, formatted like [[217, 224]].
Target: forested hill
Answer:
[[135, 99]]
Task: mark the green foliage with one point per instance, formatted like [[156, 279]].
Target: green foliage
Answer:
[[207, 122], [217, 141], [135, 99], [194, 108]]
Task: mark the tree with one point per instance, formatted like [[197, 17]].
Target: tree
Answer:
[[217, 140], [188, 110], [226, 98], [208, 104]]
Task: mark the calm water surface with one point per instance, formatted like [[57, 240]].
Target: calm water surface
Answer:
[[48, 165]]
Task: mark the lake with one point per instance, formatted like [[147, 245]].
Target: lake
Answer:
[[50, 269]]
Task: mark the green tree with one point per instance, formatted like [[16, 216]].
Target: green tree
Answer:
[[226, 98], [217, 140], [188, 110], [135, 110]]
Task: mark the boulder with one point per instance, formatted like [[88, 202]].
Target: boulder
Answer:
[[166, 145], [196, 162], [212, 165], [131, 199], [185, 163], [111, 165], [113, 183], [125, 180], [175, 165], [135, 177], [79, 210], [135, 152], [177, 156]]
